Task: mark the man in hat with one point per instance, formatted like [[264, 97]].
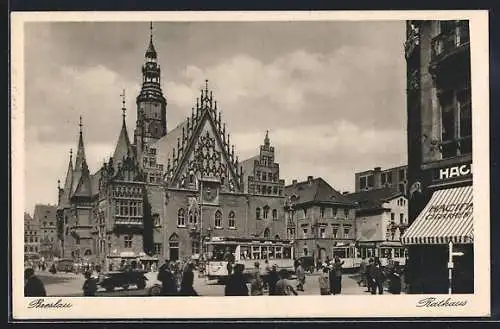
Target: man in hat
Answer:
[[256, 284], [34, 287], [272, 279], [236, 285]]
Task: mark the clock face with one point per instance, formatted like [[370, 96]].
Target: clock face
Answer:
[[155, 129]]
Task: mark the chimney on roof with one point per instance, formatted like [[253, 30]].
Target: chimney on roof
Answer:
[[294, 182], [309, 179], [345, 192], [377, 169]]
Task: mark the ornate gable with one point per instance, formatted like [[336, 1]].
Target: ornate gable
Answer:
[[203, 150]]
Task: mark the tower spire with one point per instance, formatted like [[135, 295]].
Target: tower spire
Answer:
[[151, 32], [266, 139], [80, 153], [124, 109]]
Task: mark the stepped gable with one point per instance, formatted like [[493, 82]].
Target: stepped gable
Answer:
[[200, 146]]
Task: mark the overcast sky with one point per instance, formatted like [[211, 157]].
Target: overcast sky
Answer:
[[331, 94]]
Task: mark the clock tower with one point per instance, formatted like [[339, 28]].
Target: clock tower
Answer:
[[151, 104]]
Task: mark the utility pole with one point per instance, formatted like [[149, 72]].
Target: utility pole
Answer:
[[451, 254]]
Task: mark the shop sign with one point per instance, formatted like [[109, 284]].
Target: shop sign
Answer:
[[450, 211], [462, 170]]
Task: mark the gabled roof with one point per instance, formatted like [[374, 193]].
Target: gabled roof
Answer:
[[165, 145], [374, 199], [27, 217], [123, 147], [248, 166], [317, 190]]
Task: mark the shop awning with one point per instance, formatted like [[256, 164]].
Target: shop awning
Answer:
[[447, 217]]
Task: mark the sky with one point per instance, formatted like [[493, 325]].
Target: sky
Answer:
[[331, 93]]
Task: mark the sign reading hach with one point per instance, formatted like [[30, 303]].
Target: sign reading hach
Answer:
[[452, 172]]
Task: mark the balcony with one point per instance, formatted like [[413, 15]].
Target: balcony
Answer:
[[448, 45], [128, 221]]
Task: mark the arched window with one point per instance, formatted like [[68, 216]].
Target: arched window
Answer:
[[276, 237], [267, 233], [218, 219], [87, 252], [181, 221], [266, 211], [275, 214], [231, 221], [257, 213]]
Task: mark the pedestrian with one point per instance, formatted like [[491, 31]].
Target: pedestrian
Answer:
[[369, 281], [34, 287], [272, 279], [324, 287], [283, 286], [377, 277], [362, 272], [301, 276], [395, 279], [228, 257], [53, 268], [236, 284], [256, 283], [167, 279], [267, 271], [187, 282], [90, 285], [337, 275]]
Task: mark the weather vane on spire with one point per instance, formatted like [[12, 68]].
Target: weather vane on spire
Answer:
[[124, 109], [80, 124], [151, 31]]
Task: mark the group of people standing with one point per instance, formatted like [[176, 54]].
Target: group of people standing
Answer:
[[175, 280], [374, 276], [330, 278]]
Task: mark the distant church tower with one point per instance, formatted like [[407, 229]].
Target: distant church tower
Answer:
[[151, 104]]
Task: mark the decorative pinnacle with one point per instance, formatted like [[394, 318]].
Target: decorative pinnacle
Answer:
[[70, 154], [206, 86], [80, 124], [151, 31]]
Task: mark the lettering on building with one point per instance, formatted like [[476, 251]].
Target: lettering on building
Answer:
[[450, 211], [454, 172]]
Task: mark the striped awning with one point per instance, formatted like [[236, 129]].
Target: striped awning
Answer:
[[447, 217]]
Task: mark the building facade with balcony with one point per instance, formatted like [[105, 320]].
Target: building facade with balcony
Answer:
[[381, 220], [320, 219], [378, 178], [439, 156]]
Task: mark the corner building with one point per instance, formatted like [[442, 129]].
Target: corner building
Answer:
[[161, 195], [439, 157]]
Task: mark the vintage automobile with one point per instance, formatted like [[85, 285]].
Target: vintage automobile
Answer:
[[124, 279]]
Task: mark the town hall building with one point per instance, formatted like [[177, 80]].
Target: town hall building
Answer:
[[161, 194]]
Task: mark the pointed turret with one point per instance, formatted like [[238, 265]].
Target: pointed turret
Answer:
[[266, 139], [80, 153], [123, 147], [79, 161], [66, 189], [151, 51]]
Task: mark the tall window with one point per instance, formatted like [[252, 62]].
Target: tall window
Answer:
[[157, 249], [156, 220], [322, 232], [456, 122], [362, 183], [346, 232], [275, 214], [322, 212], [218, 219], [335, 231], [257, 213], [181, 220], [267, 233], [128, 241], [370, 182], [401, 218], [195, 247], [304, 233], [266, 211], [231, 222]]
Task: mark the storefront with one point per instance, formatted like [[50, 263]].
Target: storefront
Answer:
[[440, 243]]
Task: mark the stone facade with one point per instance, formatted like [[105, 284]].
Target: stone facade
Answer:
[[31, 237], [161, 195]]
